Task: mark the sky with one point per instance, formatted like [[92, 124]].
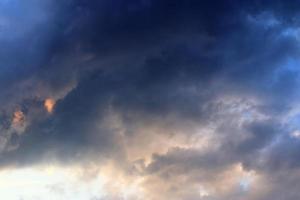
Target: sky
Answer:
[[149, 100]]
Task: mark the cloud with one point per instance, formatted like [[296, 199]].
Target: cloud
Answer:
[[49, 105], [183, 99]]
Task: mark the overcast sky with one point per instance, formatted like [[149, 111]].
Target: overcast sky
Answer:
[[149, 100]]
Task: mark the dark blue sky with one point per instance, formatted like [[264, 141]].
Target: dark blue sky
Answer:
[[186, 99]]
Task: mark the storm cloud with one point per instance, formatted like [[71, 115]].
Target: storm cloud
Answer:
[[162, 99]]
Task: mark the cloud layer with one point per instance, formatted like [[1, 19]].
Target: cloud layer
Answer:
[[161, 99]]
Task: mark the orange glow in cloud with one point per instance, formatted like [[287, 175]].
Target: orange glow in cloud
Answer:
[[49, 105], [18, 122], [18, 118]]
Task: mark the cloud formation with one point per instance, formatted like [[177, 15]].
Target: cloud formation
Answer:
[[157, 99]]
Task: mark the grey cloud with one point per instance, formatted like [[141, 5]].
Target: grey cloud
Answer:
[[170, 61]]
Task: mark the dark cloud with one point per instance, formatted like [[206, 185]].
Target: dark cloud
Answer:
[[117, 69]]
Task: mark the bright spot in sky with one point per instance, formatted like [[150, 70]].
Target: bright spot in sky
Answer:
[[295, 134], [47, 184], [49, 105], [203, 192]]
